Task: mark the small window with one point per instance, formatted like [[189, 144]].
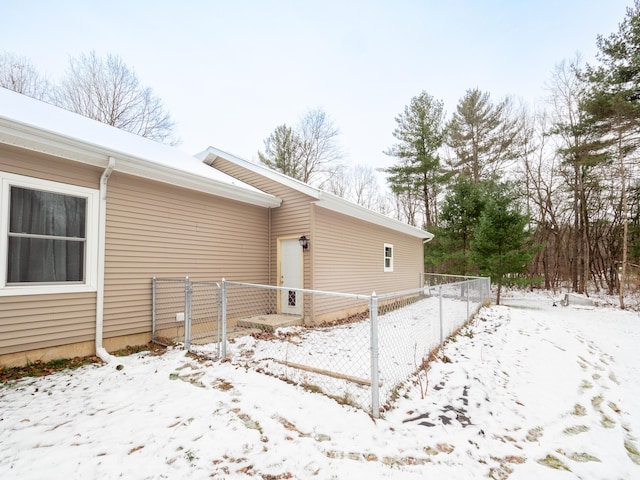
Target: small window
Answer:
[[50, 236], [388, 257]]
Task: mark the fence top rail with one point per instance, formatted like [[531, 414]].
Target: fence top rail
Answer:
[[169, 279], [384, 296], [448, 275], [413, 291], [301, 290], [454, 284], [206, 282]]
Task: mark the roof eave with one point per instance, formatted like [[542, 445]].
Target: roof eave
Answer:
[[324, 199], [340, 205], [35, 139], [211, 154]]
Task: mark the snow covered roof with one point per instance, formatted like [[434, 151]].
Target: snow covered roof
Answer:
[[38, 126], [323, 199]]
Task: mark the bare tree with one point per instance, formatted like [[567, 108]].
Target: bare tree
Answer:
[[17, 73], [576, 151], [309, 152], [358, 184], [105, 89], [365, 186], [319, 148], [340, 182]]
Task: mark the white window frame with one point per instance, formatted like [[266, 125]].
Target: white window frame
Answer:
[[385, 257], [7, 180]]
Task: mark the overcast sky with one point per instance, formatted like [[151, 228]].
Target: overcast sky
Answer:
[[229, 72]]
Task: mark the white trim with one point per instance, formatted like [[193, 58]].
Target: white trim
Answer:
[[211, 154], [340, 205], [384, 257], [34, 125], [281, 259], [324, 199], [91, 244]]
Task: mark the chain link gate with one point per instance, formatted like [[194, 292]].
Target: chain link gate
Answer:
[[186, 312]]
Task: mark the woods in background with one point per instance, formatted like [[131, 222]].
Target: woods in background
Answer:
[[565, 179]]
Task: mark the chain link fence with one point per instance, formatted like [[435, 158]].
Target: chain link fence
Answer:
[[357, 349], [169, 306], [186, 312]]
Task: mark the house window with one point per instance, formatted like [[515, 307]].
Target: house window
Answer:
[[50, 237], [388, 257]]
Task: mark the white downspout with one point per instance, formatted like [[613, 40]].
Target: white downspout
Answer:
[[102, 233]]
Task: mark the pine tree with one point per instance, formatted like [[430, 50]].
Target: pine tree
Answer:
[[483, 135], [418, 174], [499, 245], [459, 217]]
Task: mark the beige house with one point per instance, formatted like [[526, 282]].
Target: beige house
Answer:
[[89, 214], [350, 249]]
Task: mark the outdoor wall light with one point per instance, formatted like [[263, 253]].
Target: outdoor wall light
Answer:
[[304, 242]]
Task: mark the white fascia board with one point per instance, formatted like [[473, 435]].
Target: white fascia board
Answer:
[[340, 205], [211, 154], [30, 138], [194, 182], [325, 199], [36, 139]]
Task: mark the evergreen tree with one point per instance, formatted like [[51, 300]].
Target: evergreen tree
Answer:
[[282, 152], [308, 152], [460, 214], [499, 241], [420, 133], [483, 136]]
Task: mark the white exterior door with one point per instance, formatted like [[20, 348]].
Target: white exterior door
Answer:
[[290, 276]]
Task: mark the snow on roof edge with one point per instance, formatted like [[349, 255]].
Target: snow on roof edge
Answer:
[[324, 199], [37, 123]]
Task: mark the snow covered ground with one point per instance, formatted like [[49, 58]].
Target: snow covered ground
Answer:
[[528, 391]]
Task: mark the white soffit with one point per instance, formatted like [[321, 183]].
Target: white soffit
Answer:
[[36, 125], [324, 199]]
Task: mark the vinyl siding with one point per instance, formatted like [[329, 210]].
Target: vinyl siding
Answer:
[[153, 229], [291, 219], [349, 258], [164, 231], [30, 322], [41, 321], [346, 254], [46, 167]]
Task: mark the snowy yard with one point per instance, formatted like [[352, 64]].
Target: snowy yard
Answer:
[[530, 391]]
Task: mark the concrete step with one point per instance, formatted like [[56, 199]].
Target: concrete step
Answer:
[[270, 322]]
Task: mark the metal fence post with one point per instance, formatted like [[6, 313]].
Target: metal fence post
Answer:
[[467, 286], [375, 387], [441, 319], [218, 317], [223, 340], [153, 309], [187, 313]]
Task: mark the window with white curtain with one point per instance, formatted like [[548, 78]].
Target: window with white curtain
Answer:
[[49, 236]]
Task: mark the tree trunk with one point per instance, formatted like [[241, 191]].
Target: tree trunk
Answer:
[[625, 223], [585, 247], [576, 229]]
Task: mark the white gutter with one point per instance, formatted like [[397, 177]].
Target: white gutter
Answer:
[[101, 352]]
